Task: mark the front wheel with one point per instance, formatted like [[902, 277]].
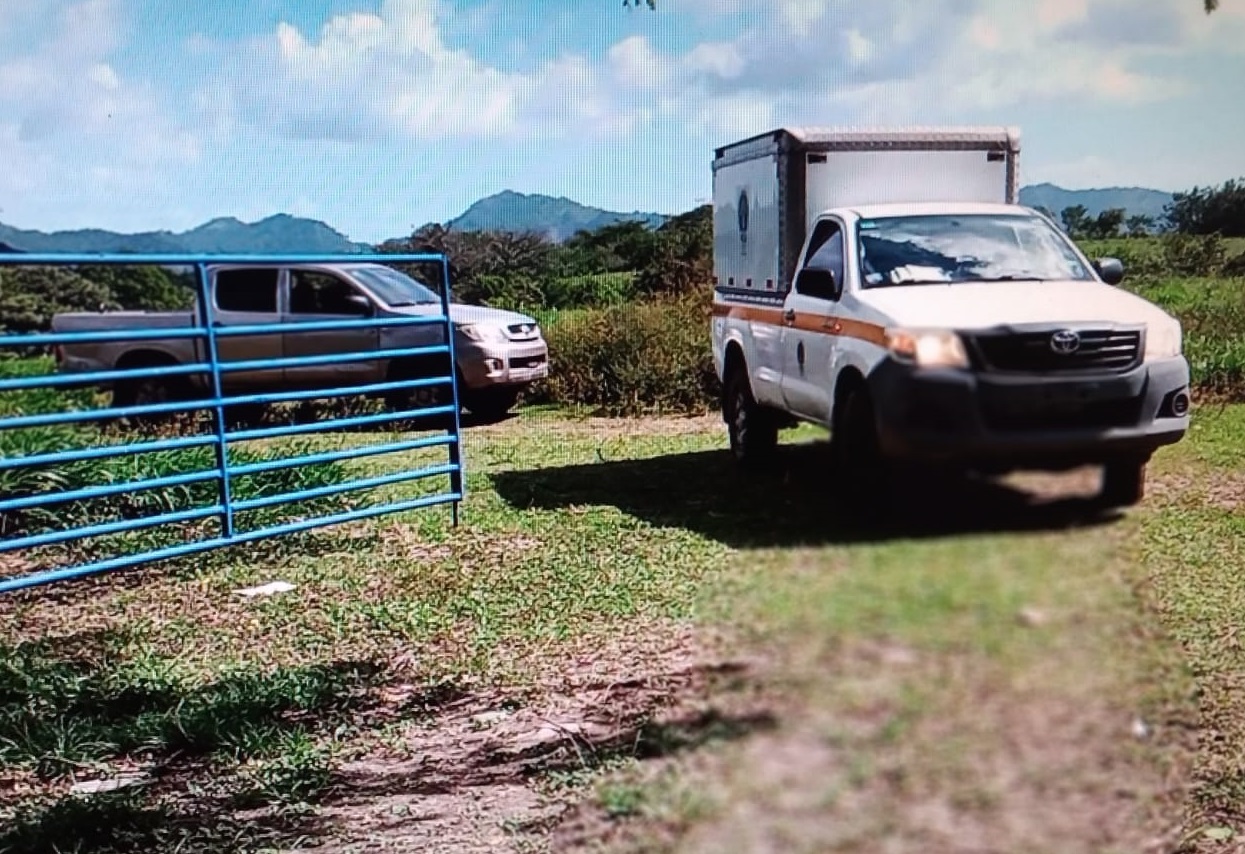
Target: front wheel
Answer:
[[489, 404], [752, 429], [857, 454], [1123, 483]]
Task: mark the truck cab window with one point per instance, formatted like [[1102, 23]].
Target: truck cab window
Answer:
[[314, 292], [252, 291], [825, 250]]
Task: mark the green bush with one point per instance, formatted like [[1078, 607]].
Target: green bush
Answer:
[[601, 289], [1212, 317], [1148, 258], [651, 357]]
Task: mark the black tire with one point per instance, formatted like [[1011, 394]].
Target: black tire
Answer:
[[1123, 483], [148, 391], [857, 454], [753, 429], [422, 397], [491, 404]]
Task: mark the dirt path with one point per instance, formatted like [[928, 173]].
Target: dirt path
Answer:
[[848, 741], [941, 747]]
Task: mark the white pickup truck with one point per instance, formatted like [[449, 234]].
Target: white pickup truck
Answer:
[[888, 286]]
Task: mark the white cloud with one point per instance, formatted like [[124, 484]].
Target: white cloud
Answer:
[[73, 128], [391, 75]]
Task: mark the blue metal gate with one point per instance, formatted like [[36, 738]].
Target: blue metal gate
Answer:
[[42, 445]]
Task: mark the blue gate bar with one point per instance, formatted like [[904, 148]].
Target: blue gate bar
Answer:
[[348, 486], [315, 394], [92, 377], [103, 530], [329, 359], [107, 490], [47, 339], [106, 452], [339, 456], [10, 585], [352, 421], [205, 330], [327, 325]]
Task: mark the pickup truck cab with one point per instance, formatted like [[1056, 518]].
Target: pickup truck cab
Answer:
[[964, 332], [498, 352]]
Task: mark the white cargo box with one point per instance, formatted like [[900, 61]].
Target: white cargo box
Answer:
[[767, 189]]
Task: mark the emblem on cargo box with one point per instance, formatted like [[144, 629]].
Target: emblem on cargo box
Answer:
[[1065, 342], [743, 222]]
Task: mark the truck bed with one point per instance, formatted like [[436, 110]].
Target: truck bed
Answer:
[[104, 321]]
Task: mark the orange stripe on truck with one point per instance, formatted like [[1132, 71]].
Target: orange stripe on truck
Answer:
[[806, 322]]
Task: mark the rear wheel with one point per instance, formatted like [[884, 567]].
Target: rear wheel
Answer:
[[1123, 483], [753, 429], [149, 391]]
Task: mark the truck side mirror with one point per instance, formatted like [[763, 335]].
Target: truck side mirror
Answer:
[[1110, 270], [817, 283]]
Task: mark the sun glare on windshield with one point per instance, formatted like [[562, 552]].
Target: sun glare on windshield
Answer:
[[943, 249]]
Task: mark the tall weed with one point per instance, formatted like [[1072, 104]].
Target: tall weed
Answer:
[[633, 359]]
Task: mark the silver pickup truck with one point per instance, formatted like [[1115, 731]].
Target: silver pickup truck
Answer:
[[498, 353]]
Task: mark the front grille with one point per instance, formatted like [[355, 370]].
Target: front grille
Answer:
[[1020, 415], [527, 362], [521, 331], [1031, 352]]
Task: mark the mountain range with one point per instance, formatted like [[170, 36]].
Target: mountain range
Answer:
[[556, 217]]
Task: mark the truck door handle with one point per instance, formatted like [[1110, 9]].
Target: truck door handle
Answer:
[[788, 316]]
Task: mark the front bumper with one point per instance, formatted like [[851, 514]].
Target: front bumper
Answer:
[[1027, 420], [493, 365]]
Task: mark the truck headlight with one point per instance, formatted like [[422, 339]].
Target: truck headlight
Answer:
[[483, 333], [1163, 342], [927, 348]]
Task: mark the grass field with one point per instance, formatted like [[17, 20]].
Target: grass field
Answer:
[[626, 645]]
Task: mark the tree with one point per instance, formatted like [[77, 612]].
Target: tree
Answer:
[[1106, 225], [1139, 225], [501, 268], [1209, 210], [683, 261], [30, 296], [619, 247], [1075, 220], [141, 288]]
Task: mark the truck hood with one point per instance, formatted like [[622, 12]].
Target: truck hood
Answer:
[[986, 304], [463, 315]]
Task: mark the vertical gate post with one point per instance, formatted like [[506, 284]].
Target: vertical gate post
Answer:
[[218, 404], [457, 483]]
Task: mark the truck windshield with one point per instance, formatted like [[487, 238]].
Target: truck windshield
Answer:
[[395, 288], [950, 249]]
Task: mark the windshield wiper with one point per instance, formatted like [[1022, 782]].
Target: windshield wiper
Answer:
[[1009, 278], [906, 282]]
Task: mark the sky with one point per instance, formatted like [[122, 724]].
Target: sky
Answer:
[[377, 116]]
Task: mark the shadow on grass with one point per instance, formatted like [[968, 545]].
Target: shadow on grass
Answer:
[[801, 502], [81, 707]]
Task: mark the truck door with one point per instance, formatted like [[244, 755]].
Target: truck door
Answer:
[[320, 295], [808, 348], [247, 296]]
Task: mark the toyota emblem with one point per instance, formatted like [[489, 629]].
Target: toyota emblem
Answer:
[[1065, 342]]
